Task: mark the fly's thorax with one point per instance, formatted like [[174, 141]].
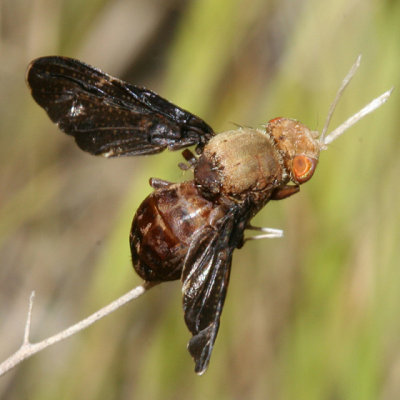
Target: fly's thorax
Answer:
[[298, 146], [237, 162]]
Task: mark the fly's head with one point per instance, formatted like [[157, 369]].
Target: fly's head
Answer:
[[298, 146]]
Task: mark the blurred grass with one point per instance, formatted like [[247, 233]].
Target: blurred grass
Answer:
[[314, 315]]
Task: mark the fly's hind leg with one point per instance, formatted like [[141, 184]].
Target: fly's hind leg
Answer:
[[157, 183]]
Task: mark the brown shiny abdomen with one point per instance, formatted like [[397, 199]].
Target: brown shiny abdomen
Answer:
[[163, 228]]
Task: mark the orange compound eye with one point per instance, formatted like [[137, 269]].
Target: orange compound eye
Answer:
[[303, 168], [274, 120]]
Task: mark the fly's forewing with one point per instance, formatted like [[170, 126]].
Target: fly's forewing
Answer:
[[205, 279], [108, 116]]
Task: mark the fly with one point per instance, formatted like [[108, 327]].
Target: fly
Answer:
[[186, 230]]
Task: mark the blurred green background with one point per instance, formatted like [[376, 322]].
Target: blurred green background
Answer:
[[315, 315]]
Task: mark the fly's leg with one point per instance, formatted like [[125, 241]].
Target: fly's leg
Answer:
[[285, 191], [157, 183], [268, 233], [190, 158]]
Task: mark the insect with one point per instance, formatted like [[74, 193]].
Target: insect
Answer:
[[185, 230]]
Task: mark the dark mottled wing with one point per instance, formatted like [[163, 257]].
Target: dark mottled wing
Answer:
[[108, 116], [205, 279]]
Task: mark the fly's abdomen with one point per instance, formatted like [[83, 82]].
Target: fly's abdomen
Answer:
[[163, 228]]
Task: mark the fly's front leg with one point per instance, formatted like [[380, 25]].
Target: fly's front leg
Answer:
[[285, 191], [190, 158], [269, 233]]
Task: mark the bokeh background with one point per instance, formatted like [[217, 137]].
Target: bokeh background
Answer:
[[315, 315]]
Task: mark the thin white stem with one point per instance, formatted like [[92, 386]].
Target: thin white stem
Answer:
[[339, 93], [28, 319], [369, 108], [28, 349], [265, 236], [270, 233]]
